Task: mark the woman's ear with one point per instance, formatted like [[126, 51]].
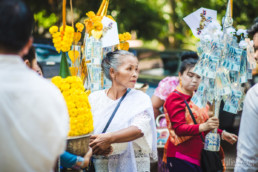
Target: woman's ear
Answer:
[[112, 73], [179, 74]]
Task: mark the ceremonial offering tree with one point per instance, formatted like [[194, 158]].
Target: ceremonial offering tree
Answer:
[[224, 64]]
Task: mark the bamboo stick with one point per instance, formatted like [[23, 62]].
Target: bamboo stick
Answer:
[[64, 14], [231, 10], [101, 7], [106, 8]]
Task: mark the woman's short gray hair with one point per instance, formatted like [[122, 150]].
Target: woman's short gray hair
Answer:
[[113, 60]]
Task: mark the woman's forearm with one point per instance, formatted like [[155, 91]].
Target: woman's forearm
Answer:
[[156, 112], [157, 103], [125, 135], [187, 130]]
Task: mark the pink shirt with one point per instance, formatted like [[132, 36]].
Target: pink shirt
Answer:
[[166, 86]]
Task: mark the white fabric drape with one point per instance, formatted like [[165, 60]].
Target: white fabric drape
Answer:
[[33, 119], [136, 109]]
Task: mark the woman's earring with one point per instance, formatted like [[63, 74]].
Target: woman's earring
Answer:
[[180, 82]]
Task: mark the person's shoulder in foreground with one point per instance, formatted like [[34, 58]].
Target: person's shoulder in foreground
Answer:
[[253, 91], [35, 111], [247, 150], [34, 118]]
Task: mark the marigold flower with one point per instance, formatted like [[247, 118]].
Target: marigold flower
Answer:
[[56, 35], [98, 26], [90, 14], [127, 36], [62, 40], [89, 26], [123, 46], [69, 29], [79, 27], [56, 80], [96, 19], [126, 46], [53, 29], [121, 37]]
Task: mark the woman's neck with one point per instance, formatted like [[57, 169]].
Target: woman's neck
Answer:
[[115, 93], [184, 91]]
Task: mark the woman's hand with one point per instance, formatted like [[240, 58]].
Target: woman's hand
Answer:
[[229, 137], [101, 144], [106, 152], [210, 124]]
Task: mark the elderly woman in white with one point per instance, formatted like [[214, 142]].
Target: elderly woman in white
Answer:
[[131, 135]]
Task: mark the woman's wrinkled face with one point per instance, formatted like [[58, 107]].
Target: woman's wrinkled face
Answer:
[[127, 73], [190, 81]]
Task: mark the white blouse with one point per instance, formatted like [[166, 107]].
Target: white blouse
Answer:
[[143, 119]]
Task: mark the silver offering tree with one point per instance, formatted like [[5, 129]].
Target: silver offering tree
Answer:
[[225, 64]]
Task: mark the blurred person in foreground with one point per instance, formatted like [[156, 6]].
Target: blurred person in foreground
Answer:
[[67, 160], [247, 149], [34, 117]]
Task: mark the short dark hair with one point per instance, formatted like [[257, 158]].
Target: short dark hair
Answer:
[[188, 59], [31, 55], [16, 23], [254, 28]]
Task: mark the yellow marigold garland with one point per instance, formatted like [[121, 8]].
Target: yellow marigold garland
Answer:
[[93, 25], [123, 38], [63, 39], [81, 120]]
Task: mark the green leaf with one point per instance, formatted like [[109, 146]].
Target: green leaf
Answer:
[[64, 67]]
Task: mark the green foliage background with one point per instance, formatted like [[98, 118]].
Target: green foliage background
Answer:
[[159, 21]]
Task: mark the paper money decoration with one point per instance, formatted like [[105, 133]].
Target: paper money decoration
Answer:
[[93, 54], [224, 62], [106, 82]]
